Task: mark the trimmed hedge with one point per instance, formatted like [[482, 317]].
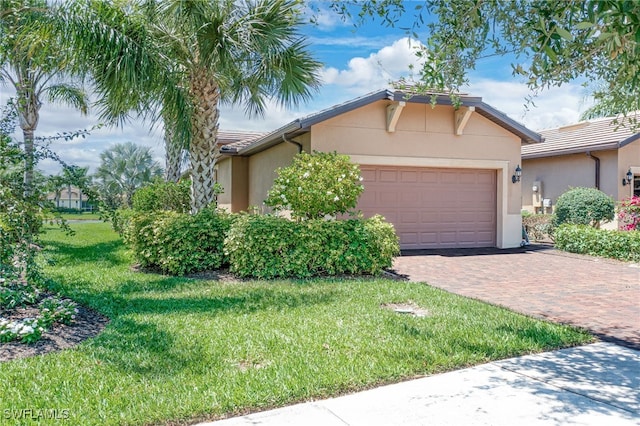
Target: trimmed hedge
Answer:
[[269, 246], [179, 243], [623, 245]]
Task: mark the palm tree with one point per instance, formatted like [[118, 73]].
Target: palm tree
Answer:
[[185, 58], [123, 169], [76, 176], [35, 66]]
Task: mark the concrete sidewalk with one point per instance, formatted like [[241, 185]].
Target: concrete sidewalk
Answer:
[[596, 384]]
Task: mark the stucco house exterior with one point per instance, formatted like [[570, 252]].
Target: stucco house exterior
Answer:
[[596, 154], [441, 175], [69, 198]]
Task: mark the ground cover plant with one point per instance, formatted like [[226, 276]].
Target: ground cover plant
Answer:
[[182, 349], [621, 245]]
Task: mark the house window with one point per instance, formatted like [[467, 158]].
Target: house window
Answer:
[[636, 186]]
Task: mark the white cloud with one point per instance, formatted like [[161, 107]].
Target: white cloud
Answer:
[[326, 19], [554, 107], [354, 41], [377, 70]]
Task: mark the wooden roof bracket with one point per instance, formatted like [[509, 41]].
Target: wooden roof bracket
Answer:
[[461, 117], [393, 115]]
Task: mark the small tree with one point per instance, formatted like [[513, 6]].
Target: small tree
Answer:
[[316, 185], [584, 206]]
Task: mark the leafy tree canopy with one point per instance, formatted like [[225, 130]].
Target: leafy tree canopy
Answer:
[[124, 168], [554, 42]]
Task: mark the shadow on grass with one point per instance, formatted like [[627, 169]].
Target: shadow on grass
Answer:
[[63, 252], [242, 302], [143, 348]]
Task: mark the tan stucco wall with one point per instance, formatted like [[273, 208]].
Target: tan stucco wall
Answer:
[[224, 179], [232, 175], [628, 158], [425, 137], [559, 174], [240, 188], [262, 171]]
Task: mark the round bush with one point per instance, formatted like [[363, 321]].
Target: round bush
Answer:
[[584, 206], [316, 185]]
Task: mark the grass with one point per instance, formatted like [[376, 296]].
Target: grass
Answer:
[[81, 216], [180, 349]]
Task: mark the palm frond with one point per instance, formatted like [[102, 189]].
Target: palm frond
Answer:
[[70, 95]]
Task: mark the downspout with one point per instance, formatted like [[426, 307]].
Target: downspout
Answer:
[[597, 160], [298, 144]]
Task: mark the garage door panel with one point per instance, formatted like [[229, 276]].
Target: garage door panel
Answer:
[[388, 197], [368, 175], [487, 177], [409, 176], [388, 176], [433, 208], [428, 177], [410, 218]]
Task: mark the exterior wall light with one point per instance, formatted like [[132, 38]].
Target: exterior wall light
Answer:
[[518, 173], [626, 180]]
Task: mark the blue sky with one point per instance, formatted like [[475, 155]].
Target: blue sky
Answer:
[[356, 61]]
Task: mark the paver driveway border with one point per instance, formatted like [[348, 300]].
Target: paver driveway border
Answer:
[[600, 295]]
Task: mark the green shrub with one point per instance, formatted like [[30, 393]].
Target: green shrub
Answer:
[[316, 185], [623, 245], [584, 206], [538, 226], [120, 219], [269, 247], [161, 195], [179, 243]]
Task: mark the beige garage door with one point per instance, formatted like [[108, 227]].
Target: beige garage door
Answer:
[[433, 208]]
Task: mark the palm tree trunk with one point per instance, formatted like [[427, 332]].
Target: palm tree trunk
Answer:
[[28, 116], [29, 152], [173, 154], [203, 152]]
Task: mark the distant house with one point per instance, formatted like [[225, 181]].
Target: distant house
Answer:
[[70, 198], [595, 154], [442, 175]]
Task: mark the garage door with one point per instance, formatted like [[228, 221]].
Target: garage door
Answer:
[[433, 208]]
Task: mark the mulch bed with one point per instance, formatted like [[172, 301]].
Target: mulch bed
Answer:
[[88, 323]]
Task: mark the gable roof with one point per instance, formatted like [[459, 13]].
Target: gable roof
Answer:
[[594, 135], [303, 125]]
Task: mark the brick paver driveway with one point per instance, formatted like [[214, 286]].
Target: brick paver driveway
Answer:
[[600, 295]]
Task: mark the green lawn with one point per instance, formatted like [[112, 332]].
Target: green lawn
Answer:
[[81, 216], [180, 349]]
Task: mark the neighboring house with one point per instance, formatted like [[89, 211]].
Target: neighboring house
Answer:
[[69, 198], [442, 176], [593, 154]]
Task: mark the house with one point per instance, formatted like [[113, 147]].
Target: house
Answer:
[[441, 175], [597, 154], [69, 197]]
